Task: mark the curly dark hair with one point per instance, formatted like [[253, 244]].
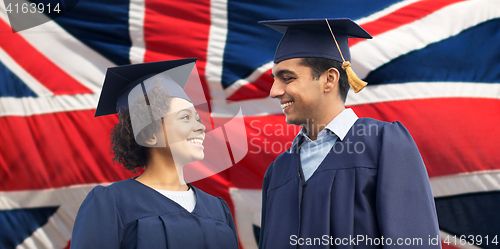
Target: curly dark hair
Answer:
[[320, 65], [126, 148]]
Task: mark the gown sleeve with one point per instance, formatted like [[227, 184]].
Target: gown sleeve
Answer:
[[229, 218], [404, 201], [97, 223]]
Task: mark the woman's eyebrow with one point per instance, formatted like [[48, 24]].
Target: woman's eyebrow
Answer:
[[186, 109]]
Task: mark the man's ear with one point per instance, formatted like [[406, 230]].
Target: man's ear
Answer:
[[152, 140], [332, 79]]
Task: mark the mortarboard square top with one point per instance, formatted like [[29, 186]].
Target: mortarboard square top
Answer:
[[312, 38], [120, 81]]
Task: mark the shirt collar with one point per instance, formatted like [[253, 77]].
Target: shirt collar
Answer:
[[340, 125]]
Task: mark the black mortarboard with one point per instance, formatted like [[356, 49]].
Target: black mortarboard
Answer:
[[312, 38], [119, 82], [320, 38]]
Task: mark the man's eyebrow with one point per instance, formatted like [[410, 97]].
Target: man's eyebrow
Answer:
[[283, 71]]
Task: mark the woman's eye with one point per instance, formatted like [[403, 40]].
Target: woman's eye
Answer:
[[185, 117], [199, 120]]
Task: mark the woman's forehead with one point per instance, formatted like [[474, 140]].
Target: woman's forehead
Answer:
[[179, 104]]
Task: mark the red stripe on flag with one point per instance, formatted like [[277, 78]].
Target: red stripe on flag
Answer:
[[454, 135], [403, 16], [267, 137], [37, 65], [57, 150], [170, 35]]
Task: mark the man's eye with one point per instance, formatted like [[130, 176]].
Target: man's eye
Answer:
[[288, 79]]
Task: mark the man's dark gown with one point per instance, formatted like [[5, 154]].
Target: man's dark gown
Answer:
[[372, 184]]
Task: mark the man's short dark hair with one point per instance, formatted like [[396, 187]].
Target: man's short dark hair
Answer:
[[320, 65]]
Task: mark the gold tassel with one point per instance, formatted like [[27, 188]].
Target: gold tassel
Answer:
[[354, 81]]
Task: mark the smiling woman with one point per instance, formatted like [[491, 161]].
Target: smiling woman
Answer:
[[179, 119], [159, 130], [184, 131]]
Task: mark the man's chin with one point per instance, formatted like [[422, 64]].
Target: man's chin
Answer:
[[291, 121]]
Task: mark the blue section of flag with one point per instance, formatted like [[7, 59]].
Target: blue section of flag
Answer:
[[12, 86], [249, 45], [471, 214], [470, 56], [69, 4], [102, 25], [18, 224]]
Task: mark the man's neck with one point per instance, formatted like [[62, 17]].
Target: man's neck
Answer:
[[314, 127]]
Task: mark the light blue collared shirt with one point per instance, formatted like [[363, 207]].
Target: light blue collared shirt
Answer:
[[312, 153]]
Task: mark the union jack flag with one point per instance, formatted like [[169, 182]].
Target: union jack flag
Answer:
[[433, 65]]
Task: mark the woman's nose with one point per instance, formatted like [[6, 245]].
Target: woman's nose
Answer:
[[200, 127]]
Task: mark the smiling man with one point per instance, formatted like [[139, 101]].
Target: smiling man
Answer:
[[345, 181]]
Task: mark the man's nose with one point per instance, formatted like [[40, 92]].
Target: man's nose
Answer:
[[277, 90]]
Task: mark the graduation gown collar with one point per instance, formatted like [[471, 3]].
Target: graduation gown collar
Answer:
[[201, 199], [340, 126]]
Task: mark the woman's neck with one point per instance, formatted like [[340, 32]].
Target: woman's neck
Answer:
[[162, 173]]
